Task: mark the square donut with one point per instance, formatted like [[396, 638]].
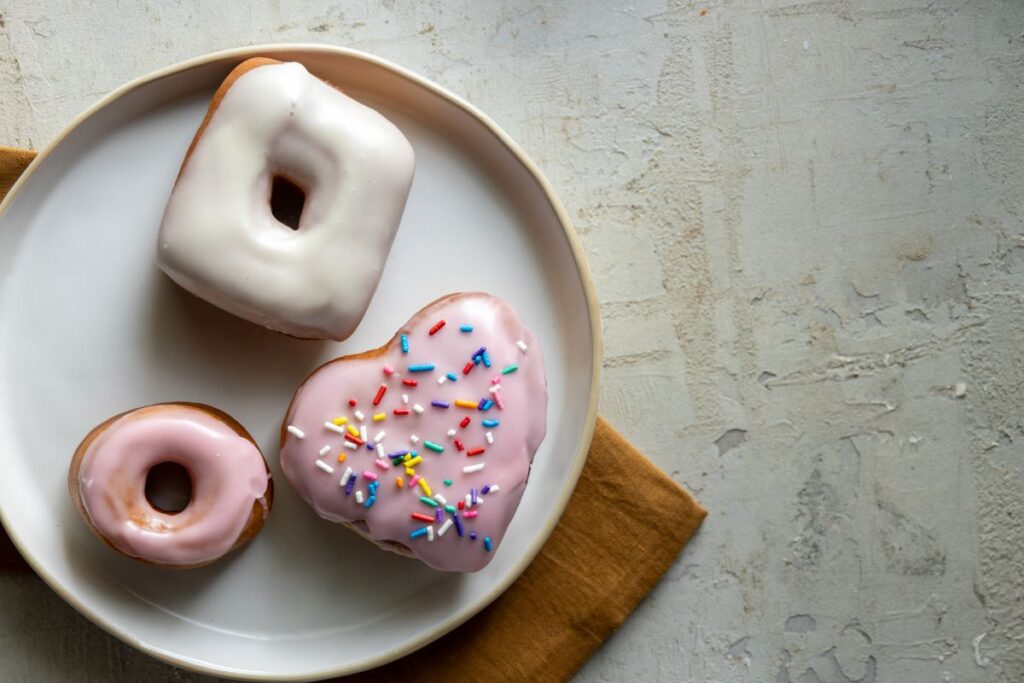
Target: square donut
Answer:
[[287, 202]]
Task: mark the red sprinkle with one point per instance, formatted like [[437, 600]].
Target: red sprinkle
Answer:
[[400, 411], [354, 439], [462, 505], [475, 451], [469, 366], [465, 422], [458, 445], [423, 518], [380, 394], [352, 402], [436, 327], [410, 382]]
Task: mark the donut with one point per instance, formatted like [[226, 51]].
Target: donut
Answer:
[[287, 202], [231, 487], [424, 445]]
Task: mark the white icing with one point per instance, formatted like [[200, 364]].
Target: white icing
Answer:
[[219, 239]]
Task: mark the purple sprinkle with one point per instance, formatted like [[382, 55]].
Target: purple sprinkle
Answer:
[[472, 535], [350, 485], [370, 446], [439, 404], [479, 352], [472, 495], [480, 405], [458, 524], [485, 490], [397, 454], [439, 515]]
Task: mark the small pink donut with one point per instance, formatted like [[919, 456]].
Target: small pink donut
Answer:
[[231, 487]]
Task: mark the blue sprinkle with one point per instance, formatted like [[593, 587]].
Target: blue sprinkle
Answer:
[[487, 360], [405, 344], [466, 328], [453, 377], [487, 543], [476, 360], [458, 525], [438, 404], [486, 404], [490, 423], [370, 501], [422, 367], [416, 533]]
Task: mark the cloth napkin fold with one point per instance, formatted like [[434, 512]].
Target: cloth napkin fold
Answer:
[[623, 527]]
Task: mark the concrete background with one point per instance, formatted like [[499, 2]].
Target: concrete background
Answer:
[[804, 222]]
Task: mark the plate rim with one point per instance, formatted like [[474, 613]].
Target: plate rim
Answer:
[[593, 312]]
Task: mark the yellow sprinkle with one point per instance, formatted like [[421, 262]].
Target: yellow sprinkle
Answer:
[[426, 487], [353, 431], [415, 461], [341, 457], [398, 482], [379, 417], [340, 420], [407, 458], [410, 471], [465, 404]]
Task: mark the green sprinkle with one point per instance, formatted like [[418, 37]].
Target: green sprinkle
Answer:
[[429, 501], [433, 446], [447, 482], [509, 369], [450, 508]]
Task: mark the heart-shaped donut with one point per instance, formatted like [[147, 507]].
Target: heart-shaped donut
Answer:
[[424, 445], [287, 202]]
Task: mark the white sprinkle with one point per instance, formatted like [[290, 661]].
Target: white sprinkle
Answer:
[[489, 437], [414, 438], [292, 429], [451, 432], [430, 534], [469, 501], [444, 527], [495, 388], [960, 390], [359, 415], [494, 488], [440, 499], [417, 408], [350, 445], [345, 477], [325, 450], [324, 466], [379, 437], [380, 451], [442, 379], [362, 432], [522, 346], [473, 468], [334, 428], [359, 497], [405, 398]]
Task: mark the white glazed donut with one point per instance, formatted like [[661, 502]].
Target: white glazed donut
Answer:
[[220, 239]]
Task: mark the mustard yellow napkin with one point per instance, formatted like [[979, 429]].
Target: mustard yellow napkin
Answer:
[[602, 559]]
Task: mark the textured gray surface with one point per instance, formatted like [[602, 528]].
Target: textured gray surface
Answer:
[[804, 222]]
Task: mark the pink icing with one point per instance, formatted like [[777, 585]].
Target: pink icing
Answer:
[[522, 425], [228, 476]]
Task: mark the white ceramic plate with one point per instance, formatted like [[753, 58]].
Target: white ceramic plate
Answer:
[[89, 327]]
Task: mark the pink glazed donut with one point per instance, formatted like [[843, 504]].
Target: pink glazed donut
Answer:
[[231, 494], [424, 445]]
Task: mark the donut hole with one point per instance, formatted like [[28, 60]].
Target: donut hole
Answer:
[[169, 487], [287, 200]]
